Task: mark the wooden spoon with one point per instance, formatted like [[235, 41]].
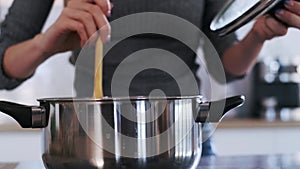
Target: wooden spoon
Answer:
[[98, 90]]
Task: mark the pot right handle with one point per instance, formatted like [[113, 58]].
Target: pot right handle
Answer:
[[207, 110], [26, 116]]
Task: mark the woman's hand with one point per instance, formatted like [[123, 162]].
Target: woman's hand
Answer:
[[267, 27], [79, 20]]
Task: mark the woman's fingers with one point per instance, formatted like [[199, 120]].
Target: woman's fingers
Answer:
[[79, 28], [291, 19], [290, 16], [78, 22], [63, 28], [276, 28], [83, 17], [293, 6], [69, 24], [98, 17], [105, 6], [267, 27]]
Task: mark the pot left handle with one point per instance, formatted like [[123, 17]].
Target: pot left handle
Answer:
[[26, 116]]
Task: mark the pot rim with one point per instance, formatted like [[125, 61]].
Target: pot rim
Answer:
[[112, 99]]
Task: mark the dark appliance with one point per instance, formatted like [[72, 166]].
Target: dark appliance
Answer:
[[275, 87]]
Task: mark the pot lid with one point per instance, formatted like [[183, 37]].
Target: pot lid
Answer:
[[237, 13]]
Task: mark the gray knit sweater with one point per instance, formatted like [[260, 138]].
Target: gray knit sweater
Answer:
[[26, 18]]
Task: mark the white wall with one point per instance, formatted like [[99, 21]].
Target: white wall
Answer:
[[54, 78]]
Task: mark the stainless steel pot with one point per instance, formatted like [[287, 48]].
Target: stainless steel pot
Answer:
[[136, 132]]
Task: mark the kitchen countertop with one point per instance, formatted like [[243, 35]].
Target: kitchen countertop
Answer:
[[251, 162], [220, 162], [224, 124], [23, 165], [256, 123]]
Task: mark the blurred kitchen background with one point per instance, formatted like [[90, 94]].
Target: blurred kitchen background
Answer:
[[268, 123]]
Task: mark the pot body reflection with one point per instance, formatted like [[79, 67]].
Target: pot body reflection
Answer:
[[138, 133], [135, 132]]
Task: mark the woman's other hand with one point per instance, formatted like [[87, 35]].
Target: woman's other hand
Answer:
[[267, 27]]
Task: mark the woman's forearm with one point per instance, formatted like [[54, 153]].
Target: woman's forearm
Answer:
[[240, 58], [21, 60]]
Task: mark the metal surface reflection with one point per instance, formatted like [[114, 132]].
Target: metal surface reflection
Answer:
[[135, 132], [162, 134], [232, 11], [237, 13]]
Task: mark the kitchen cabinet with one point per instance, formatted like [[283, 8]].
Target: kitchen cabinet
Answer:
[[20, 145], [248, 137]]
